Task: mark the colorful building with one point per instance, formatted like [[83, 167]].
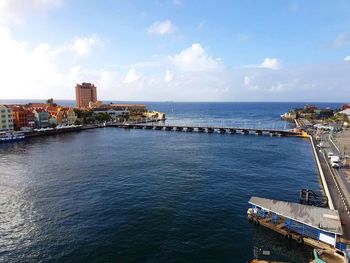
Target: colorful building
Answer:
[[85, 93], [71, 116], [41, 118], [61, 117], [22, 117], [6, 122]]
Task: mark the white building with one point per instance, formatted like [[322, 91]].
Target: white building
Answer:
[[346, 112]]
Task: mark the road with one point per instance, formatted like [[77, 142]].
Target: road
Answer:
[[337, 186]]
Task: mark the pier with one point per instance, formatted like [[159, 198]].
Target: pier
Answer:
[[316, 227], [212, 129]]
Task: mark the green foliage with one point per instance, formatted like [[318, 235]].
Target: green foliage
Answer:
[[88, 120], [85, 116], [77, 122], [340, 117], [102, 117], [51, 103]]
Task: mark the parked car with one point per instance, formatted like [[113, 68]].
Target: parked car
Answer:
[[330, 154]]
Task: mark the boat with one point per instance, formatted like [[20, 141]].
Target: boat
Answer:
[[11, 137]]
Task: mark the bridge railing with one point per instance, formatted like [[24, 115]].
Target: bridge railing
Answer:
[[214, 124]]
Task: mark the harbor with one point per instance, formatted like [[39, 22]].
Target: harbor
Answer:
[[136, 187]]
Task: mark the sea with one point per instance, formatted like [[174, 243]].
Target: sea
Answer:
[[115, 195]]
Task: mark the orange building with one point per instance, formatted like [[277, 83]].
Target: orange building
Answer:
[[22, 117], [85, 93]]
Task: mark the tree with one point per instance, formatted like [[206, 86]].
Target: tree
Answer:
[[102, 117], [51, 103]]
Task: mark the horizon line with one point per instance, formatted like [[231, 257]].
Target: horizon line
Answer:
[[180, 101]]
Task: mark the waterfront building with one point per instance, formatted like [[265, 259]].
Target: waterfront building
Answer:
[[37, 105], [97, 104], [41, 118], [290, 115], [345, 106], [22, 117], [71, 116], [59, 114], [85, 93], [309, 108], [346, 112], [52, 120], [323, 113], [113, 113], [6, 122], [61, 117], [52, 110], [155, 115]]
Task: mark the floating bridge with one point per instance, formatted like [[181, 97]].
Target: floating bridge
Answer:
[[212, 129]]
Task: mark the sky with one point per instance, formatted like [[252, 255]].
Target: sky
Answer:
[[176, 50]]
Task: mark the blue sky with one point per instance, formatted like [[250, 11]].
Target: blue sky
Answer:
[[177, 49]]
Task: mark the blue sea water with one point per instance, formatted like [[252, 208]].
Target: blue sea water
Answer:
[[114, 195]]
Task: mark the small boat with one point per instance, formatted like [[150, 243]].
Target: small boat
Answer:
[[11, 137]]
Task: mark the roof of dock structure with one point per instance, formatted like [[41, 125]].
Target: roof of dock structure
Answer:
[[317, 217]]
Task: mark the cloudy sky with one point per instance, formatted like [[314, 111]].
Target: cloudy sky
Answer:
[[176, 50]]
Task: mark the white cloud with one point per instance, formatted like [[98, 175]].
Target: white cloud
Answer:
[[270, 63], [161, 28], [51, 71], [195, 59], [131, 76], [168, 76], [347, 58], [83, 46], [17, 10], [39, 72]]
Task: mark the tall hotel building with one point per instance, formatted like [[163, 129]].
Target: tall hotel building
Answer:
[[85, 93]]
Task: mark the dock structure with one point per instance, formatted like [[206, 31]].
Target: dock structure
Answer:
[[212, 129], [316, 227]]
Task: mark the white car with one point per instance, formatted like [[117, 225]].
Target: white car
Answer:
[[330, 154], [335, 158], [335, 164]]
